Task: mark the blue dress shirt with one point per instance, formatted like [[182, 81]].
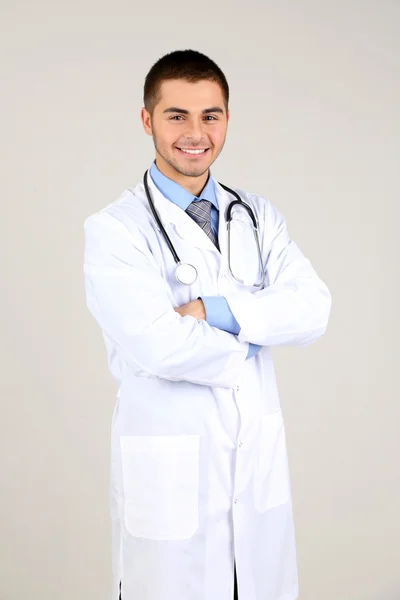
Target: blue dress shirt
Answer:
[[218, 312]]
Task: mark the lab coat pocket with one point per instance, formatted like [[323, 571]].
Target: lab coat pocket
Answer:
[[271, 477], [161, 483], [244, 258]]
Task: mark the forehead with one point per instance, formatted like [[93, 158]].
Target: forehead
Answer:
[[191, 96]]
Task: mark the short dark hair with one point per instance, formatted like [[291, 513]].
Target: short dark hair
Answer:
[[190, 65]]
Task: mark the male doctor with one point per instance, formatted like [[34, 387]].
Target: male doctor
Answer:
[[200, 490]]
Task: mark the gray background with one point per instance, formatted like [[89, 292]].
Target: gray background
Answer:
[[314, 126]]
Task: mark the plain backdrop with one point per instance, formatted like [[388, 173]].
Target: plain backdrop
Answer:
[[315, 128]]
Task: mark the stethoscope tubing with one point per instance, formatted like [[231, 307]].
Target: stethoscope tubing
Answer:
[[228, 214], [158, 220]]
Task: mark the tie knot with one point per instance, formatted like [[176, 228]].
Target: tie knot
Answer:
[[200, 210]]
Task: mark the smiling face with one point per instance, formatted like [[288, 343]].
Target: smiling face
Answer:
[[188, 127]]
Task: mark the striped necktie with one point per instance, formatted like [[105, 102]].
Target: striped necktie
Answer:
[[200, 211]]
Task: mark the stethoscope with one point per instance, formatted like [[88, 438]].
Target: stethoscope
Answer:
[[186, 273]]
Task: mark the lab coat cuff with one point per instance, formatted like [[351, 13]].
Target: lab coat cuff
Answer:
[[238, 306]]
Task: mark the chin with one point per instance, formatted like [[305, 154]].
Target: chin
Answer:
[[193, 172], [190, 170]]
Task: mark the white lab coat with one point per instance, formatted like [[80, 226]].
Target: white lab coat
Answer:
[[199, 471]]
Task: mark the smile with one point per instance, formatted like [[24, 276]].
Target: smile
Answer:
[[197, 152]]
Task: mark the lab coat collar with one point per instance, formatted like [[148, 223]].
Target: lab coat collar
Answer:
[[178, 194]]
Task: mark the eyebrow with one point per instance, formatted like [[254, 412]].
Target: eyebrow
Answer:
[[174, 109]]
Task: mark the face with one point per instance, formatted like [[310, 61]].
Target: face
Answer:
[[188, 127]]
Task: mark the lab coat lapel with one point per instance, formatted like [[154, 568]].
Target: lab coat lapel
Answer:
[[223, 202], [177, 220]]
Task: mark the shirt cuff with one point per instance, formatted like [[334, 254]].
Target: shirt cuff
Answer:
[[218, 314], [253, 349]]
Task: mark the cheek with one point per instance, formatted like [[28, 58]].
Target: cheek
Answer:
[[164, 135], [170, 138], [217, 138]]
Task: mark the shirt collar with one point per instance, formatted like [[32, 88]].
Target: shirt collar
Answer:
[[177, 194]]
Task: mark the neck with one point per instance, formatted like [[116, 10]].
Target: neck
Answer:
[[194, 185]]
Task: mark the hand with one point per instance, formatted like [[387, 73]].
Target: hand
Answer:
[[195, 309]]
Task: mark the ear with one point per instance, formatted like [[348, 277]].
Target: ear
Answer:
[[228, 114], [146, 120]]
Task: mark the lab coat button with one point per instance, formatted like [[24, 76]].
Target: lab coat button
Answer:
[[235, 500], [237, 388], [240, 444]]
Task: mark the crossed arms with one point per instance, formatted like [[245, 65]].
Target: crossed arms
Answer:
[[133, 305]]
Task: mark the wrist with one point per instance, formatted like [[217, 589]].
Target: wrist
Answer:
[[202, 309]]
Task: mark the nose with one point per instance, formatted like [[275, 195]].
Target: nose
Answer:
[[194, 129]]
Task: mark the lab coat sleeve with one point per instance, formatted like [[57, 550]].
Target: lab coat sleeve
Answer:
[[134, 306], [294, 307], [219, 314]]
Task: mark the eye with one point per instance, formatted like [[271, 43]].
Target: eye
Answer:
[[176, 117], [211, 117]]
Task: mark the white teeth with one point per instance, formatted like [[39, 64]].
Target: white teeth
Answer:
[[193, 151]]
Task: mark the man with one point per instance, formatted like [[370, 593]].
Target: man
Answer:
[[200, 491]]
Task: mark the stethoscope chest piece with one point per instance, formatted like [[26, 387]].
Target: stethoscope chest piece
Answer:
[[186, 274]]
